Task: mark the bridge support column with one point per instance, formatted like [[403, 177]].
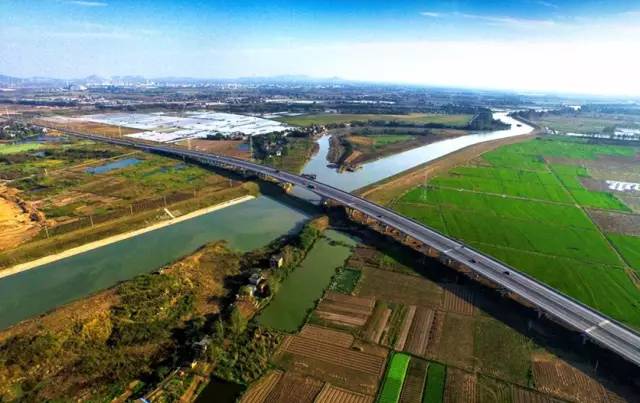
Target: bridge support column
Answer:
[[286, 187]]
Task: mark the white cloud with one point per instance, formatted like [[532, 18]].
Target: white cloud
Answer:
[[547, 4], [506, 21], [87, 3]]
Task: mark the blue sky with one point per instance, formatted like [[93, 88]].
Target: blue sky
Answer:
[[540, 45]]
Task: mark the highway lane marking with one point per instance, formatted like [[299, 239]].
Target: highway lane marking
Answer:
[[594, 327]]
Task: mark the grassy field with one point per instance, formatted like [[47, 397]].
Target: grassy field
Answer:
[[417, 118], [345, 280], [434, 388], [629, 248], [518, 207], [582, 124], [379, 140], [394, 379], [18, 148], [494, 341]]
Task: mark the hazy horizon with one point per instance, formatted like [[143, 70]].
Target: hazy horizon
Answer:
[[580, 47]]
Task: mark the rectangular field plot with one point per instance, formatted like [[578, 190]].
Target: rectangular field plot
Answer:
[[333, 394], [501, 351], [628, 247], [459, 299], [436, 377], [521, 395], [345, 310], [414, 382], [294, 388], [341, 366], [394, 379], [335, 337], [456, 344], [555, 377], [399, 288], [259, 391], [420, 332], [460, 386]]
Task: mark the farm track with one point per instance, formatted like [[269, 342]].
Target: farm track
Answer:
[[419, 331], [261, 389], [414, 382], [334, 394], [336, 355], [323, 334]]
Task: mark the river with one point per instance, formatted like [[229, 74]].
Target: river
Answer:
[[244, 226]]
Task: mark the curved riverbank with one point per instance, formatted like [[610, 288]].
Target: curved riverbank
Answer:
[[387, 190]]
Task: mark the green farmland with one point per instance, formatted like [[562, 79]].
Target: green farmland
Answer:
[[394, 379], [416, 118], [434, 388], [18, 148], [629, 248], [530, 213]]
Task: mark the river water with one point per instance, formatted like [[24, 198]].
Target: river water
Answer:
[[244, 226]]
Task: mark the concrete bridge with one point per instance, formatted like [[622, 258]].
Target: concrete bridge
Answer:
[[573, 314]]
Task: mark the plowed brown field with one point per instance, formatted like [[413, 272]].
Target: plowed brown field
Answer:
[[334, 394], [419, 332], [294, 388], [331, 336], [259, 391]]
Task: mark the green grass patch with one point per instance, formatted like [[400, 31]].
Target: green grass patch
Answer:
[[394, 378], [345, 280], [458, 120], [18, 148], [434, 387], [629, 247], [381, 140]]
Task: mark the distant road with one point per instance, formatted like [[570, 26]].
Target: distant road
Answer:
[[595, 326]]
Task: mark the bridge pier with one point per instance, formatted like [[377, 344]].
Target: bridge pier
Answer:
[[286, 187]]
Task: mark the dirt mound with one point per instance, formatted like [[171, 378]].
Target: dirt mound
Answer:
[[19, 221]]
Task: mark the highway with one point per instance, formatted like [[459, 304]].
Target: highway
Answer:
[[595, 326]]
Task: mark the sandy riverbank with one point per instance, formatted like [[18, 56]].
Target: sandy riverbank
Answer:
[[116, 238]]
